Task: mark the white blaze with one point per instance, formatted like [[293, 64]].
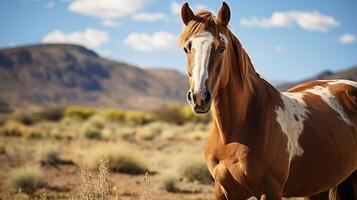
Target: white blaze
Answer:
[[201, 44]]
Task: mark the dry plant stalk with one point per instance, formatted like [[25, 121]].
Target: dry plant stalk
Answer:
[[147, 187], [103, 181], [87, 188]]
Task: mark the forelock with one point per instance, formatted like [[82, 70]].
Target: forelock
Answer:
[[204, 21]]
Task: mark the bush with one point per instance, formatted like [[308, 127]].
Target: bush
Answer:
[[114, 114], [28, 179], [49, 154], [79, 112], [194, 169], [26, 118], [91, 132], [150, 131], [170, 113], [179, 115], [13, 129], [138, 117], [50, 114], [121, 158], [189, 116], [168, 181]]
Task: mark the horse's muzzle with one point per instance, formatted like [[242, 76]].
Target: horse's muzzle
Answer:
[[199, 101]]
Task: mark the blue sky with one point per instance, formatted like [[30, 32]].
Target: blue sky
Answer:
[[286, 39]]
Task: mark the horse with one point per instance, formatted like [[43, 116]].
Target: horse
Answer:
[[265, 143]]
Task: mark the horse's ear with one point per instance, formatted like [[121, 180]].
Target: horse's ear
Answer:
[[224, 14], [187, 14]]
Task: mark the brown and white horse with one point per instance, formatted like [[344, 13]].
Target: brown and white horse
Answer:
[[264, 143]]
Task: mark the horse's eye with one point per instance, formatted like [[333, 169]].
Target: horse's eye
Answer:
[[185, 49], [221, 49], [188, 47]]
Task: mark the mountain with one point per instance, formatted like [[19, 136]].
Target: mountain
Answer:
[[63, 74], [348, 74]]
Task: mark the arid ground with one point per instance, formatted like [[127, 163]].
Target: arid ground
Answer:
[[56, 153]]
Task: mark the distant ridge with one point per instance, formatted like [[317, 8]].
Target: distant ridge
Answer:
[[65, 74]]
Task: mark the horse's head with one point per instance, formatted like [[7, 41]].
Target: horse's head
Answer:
[[204, 40]]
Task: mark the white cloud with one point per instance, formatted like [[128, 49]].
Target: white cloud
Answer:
[[161, 40], [312, 21], [107, 9], [347, 38], [176, 7], [279, 49], [110, 23], [149, 17], [90, 38]]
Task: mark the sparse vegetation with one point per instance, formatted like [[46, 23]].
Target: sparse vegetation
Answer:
[[138, 117], [13, 129], [168, 181], [193, 168], [133, 142], [79, 112], [96, 187], [115, 115], [49, 155], [28, 179], [122, 159]]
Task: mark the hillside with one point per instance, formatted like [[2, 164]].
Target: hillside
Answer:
[[349, 74], [63, 74]]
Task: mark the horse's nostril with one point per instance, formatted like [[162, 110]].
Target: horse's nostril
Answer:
[[207, 97]]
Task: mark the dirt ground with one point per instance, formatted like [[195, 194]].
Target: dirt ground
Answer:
[[64, 180]]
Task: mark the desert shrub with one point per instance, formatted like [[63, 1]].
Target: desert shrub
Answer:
[[177, 114], [138, 117], [92, 129], [170, 113], [113, 114], [122, 158], [50, 114], [50, 155], [194, 169], [26, 118], [189, 116], [150, 131], [168, 181], [91, 132], [14, 129], [79, 112], [28, 179]]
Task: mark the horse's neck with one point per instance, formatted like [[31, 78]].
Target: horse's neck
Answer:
[[234, 106]]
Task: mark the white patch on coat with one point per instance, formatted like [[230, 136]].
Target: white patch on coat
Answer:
[[346, 82], [291, 119], [330, 100], [202, 45]]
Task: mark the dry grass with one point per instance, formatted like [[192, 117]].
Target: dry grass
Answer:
[[168, 181], [96, 188], [194, 168], [28, 179], [123, 158], [79, 112], [13, 129]]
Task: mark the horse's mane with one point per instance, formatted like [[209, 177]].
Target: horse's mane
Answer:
[[206, 21]]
